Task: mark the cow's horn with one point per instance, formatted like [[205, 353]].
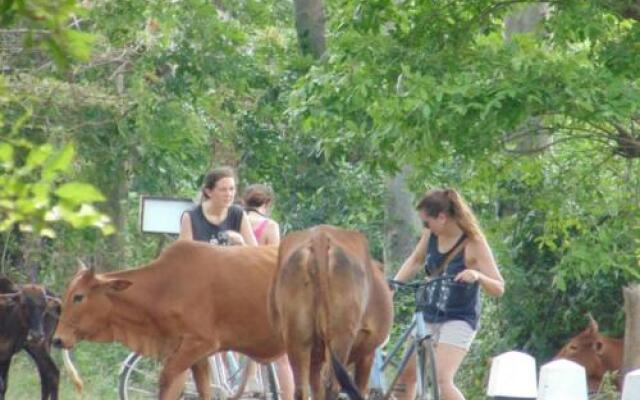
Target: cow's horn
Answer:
[[82, 264], [592, 322]]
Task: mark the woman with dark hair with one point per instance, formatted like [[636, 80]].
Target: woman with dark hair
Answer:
[[216, 220], [257, 202], [449, 222]]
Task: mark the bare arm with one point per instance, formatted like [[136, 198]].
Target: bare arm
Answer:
[[415, 260], [482, 268], [246, 232], [185, 227]]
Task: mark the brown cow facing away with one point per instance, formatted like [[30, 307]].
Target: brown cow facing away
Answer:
[[598, 354], [194, 300], [331, 302]]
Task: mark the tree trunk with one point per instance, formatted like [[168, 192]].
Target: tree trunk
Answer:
[[310, 26], [631, 359], [401, 225], [530, 137], [117, 194]]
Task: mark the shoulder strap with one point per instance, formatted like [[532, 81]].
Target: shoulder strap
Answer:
[[454, 251]]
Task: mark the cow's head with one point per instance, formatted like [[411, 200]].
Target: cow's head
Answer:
[[40, 310], [32, 306], [587, 349], [86, 308]]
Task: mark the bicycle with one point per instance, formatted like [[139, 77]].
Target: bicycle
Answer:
[[138, 379], [417, 338]]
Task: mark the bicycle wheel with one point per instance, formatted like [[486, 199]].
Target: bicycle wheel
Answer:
[[139, 379], [427, 378], [240, 377]]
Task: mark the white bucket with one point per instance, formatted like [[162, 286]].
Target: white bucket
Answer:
[[513, 375], [631, 388], [562, 380]]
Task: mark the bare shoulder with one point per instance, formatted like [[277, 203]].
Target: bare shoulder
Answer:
[[273, 225], [478, 251], [478, 244]]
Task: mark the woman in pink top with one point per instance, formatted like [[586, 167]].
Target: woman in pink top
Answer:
[[257, 201]]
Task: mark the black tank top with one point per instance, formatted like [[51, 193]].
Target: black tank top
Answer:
[[204, 231], [462, 302]]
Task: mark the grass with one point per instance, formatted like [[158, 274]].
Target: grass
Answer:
[[98, 366]]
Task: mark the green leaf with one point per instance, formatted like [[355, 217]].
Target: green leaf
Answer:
[[60, 162], [38, 155], [79, 44], [6, 155], [78, 192]]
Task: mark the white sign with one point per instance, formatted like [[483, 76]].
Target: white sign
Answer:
[[162, 214]]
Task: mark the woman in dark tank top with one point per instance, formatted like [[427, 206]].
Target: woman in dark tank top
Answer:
[[448, 220], [216, 220]]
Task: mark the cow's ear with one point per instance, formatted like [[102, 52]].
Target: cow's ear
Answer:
[[118, 284], [6, 285], [9, 299], [598, 346], [53, 302]]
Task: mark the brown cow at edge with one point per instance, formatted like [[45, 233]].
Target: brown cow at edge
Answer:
[[194, 300], [595, 352], [331, 303]]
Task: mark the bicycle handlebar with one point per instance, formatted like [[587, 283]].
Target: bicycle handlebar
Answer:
[[393, 284]]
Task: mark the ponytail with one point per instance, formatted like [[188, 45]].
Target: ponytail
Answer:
[[463, 215]]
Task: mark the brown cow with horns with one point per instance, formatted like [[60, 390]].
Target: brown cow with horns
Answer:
[[194, 300], [598, 354]]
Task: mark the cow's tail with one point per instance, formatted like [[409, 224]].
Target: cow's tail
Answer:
[[73, 372], [320, 270]]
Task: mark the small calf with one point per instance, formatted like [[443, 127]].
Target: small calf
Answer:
[[28, 318]]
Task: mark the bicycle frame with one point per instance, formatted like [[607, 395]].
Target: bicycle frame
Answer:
[[419, 335]]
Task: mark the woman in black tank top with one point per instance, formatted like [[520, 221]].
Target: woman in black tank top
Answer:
[[216, 220], [447, 219]]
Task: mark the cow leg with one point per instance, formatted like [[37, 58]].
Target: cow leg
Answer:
[[300, 361], [4, 372], [317, 381], [49, 373], [202, 376], [319, 377], [176, 364], [362, 372]]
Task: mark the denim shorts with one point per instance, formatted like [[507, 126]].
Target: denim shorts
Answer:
[[455, 333]]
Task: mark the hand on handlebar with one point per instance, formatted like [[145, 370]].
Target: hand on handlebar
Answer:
[[468, 276]]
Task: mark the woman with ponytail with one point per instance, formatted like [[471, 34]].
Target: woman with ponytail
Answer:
[[449, 223]]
